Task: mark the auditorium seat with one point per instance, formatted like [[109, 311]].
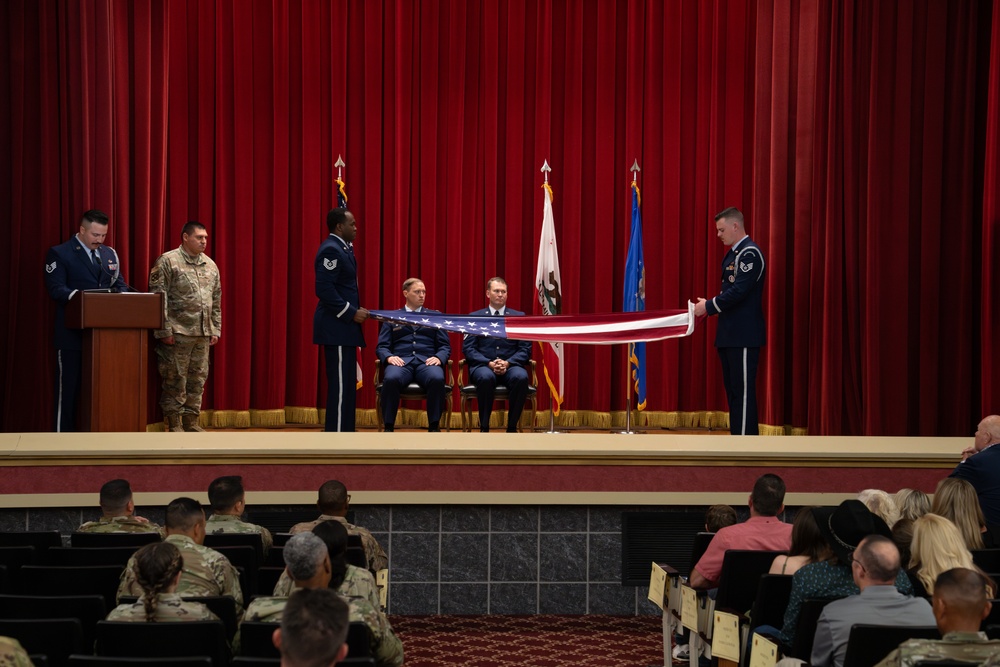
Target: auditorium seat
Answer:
[[56, 580], [105, 540], [171, 640], [88, 609], [108, 661], [467, 392], [772, 600], [56, 638], [15, 557], [414, 392], [77, 556], [740, 578], [869, 644], [805, 628], [222, 606], [39, 539]]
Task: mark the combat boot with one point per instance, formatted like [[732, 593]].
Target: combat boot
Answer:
[[191, 423], [174, 423]]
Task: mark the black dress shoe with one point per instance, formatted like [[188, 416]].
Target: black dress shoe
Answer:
[[435, 427], [484, 429], [512, 430], [389, 428]]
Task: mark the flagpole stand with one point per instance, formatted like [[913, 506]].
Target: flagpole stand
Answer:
[[628, 396], [552, 418]]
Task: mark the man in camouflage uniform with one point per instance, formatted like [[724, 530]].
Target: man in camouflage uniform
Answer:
[[961, 602], [206, 571], [118, 512], [308, 563], [313, 629], [192, 316], [333, 503], [227, 497]]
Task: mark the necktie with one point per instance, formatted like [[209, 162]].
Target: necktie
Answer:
[[93, 256]]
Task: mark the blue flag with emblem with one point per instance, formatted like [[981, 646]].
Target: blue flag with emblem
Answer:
[[634, 299]]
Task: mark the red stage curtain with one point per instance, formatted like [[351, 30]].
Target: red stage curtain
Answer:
[[852, 135]]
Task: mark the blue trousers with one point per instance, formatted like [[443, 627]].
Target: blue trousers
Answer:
[[395, 379], [342, 387], [739, 374], [486, 381]]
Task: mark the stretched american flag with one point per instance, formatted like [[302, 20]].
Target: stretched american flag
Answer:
[[599, 329]]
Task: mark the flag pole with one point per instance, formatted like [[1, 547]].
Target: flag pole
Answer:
[[552, 404], [635, 169]]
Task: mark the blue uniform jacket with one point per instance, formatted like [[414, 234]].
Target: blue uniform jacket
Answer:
[[481, 350], [738, 305], [68, 269], [410, 342], [337, 291]]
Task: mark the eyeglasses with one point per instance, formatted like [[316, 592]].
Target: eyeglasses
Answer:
[[856, 561]]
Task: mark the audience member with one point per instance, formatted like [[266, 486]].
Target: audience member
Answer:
[[118, 512], [12, 654], [937, 547], [980, 466], [902, 536], [763, 531], [718, 517], [808, 545], [881, 505], [843, 528], [205, 572], [960, 604], [956, 500], [313, 630], [228, 500], [333, 503], [158, 571], [354, 581], [308, 563], [874, 566], [912, 503]]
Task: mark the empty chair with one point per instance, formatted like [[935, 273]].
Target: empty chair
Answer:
[[39, 539], [105, 540], [77, 556], [107, 661], [741, 573], [171, 640], [772, 599], [255, 639], [88, 609], [15, 557], [56, 639], [869, 644], [56, 580]]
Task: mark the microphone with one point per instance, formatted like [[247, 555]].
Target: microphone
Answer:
[[116, 274]]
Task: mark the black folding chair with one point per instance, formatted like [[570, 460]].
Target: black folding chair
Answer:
[[772, 600], [741, 573], [55, 638], [105, 540], [168, 640], [15, 557], [805, 629], [88, 609], [869, 644]]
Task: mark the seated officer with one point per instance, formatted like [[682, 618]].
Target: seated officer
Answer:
[[494, 361], [226, 495], [118, 512], [409, 353], [313, 629]]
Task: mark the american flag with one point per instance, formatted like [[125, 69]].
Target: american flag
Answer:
[[599, 329]]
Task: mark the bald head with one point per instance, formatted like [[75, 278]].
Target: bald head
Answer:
[[876, 562], [988, 432], [961, 600]]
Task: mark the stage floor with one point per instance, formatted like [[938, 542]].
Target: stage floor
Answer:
[[286, 467]]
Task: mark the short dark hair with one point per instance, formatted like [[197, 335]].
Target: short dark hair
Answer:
[[93, 215], [332, 496], [731, 213], [190, 226], [719, 516], [879, 568], [225, 492], [184, 514], [768, 495], [314, 626], [966, 590], [115, 495], [336, 216]]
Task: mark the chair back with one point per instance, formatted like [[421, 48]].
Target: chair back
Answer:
[[805, 628], [275, 557], [356, 557], [107, 661], [222, 606], [105, 540], [218, 540], [168, 640], [88, 609], [246, 562], [76, 556], [870, 644], [39, 539], [772, 600], [15, 557], [3, 579], [698, 548], [55, 638], [988, 560], [741, 573], [255, 639], [359, 639], [72, 580], [281, 539], [267, 579]]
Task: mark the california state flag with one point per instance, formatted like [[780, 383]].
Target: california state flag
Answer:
[[548, 292]]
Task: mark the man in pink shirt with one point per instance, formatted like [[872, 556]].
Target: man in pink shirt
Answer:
[[763, 531]]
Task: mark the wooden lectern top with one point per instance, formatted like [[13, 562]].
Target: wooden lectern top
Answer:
[[115, 310]]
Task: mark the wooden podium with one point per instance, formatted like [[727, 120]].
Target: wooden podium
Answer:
[[115, 356]]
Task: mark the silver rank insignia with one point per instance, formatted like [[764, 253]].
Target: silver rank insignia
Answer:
[[732, 279], [49, 268], [746, 267], [330, 264]]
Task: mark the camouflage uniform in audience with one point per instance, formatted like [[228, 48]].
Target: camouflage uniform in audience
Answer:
[[206, 572], [169, 607], [386, 647], [358, 583], [12, 654], [120, 524], [973, 647], [377, 560], [229, 523]]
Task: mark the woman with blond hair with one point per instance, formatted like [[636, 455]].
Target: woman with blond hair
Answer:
[[912, 503], [937, 547], [158, 571], [956, 500]]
